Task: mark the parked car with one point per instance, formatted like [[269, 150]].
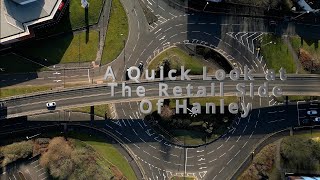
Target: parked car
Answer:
[[51, 105], [127, 76], [141, 66], [312, 112]]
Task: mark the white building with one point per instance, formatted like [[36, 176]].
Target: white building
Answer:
[[18, 16]]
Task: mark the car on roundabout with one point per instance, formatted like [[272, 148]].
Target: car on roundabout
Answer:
[[51, 105]]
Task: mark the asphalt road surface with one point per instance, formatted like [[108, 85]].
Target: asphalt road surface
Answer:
[[79, 97], [235, 38]]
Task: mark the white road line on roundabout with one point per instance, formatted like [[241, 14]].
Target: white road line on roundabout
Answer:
[[276, 121], [231, 148], [238, 138], [222, 155], [221, 169]]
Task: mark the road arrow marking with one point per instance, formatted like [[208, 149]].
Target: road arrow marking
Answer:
[[202, 174], [117, 123]]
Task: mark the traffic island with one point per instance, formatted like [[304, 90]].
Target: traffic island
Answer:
[[191, 129]]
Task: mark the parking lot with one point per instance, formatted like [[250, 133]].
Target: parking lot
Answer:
[[30, 170], [303, 107]]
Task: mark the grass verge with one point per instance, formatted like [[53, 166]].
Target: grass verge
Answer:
[[78, 15], [108, 152], [277, 54], [14, 91], [177, 58], [117, 33], [69, 48], [99, 110]]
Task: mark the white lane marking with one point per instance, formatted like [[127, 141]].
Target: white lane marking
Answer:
[[245, 144], [158, 31], [135, 132], [168, 29], [231, 148], [222, 155], [221, 170], [238, 138], [251, 135], [276, 121]]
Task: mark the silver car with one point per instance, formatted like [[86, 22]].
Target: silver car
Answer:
[[312, 112]]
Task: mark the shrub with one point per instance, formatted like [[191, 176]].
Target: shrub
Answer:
[[16, 151], [66, 161], [262, 164], [300, 153]]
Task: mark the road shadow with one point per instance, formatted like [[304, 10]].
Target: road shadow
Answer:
[[86, 15]]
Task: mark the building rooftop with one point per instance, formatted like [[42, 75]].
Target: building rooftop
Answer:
[[17, 15]]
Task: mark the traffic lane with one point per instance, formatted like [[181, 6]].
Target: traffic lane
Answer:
[[152, 89], [46, 77], [102, 98], [139, 133], [150, 147], [303, 81]]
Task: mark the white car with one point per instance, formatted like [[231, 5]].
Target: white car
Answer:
[[317, 119], [51, 104], [312, 112]]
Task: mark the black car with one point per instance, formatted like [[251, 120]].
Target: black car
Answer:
[[306, 121], [127, 76]]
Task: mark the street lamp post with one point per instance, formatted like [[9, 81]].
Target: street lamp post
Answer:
[[205, 6], [79, 49], [124, 49], [64, 76]]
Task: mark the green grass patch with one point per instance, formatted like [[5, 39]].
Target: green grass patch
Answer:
[[178, 58], [64, 49], [109, 153], [78, 15], [201, 100], [295, 98], [190, 137], [118, 24], [99, 110], [277, 55], [309, 46], [14, 91]]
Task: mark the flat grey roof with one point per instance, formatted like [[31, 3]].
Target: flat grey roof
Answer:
[[15, 18]]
